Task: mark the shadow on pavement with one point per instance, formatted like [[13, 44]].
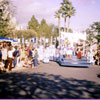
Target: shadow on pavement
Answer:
[[98, 75], [46, 86]]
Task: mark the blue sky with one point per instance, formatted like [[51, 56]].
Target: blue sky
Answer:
[[87, 12]]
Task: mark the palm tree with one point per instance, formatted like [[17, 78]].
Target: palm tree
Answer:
[[64, 7], [67, 11], [71, 12], [58, 15]]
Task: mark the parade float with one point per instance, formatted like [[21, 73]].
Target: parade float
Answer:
[[74, 41]]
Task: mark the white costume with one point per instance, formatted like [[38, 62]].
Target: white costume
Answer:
[[41, 53], [46, 55]]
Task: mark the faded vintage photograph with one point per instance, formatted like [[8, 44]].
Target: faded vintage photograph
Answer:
[[49, 49]]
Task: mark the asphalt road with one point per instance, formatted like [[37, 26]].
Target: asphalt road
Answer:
[[51, 81]]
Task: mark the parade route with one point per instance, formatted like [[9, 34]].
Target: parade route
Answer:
[[51, 81], [49, 49]]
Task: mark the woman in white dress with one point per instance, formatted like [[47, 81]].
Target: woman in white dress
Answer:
[[46, 55], [4, 54]]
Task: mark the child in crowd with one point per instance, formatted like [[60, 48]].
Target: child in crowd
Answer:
[[22, 62], [2, 69], [28, 63], [99, 61], [35, 61]]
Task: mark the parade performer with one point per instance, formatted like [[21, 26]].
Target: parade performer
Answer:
[[79, 54]]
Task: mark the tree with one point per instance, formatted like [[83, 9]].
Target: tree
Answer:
[[49, 31], [95, 31], [55, 32], [43, 27], [64, 7], [70, 30], [96, 27], [71, 12], [45, 30], [6, 11], [33, 24], [90, 35], [67, 11], [27, 34], [58, 15]]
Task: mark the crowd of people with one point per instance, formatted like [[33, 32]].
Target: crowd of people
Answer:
[[29, 56], [13, 56]]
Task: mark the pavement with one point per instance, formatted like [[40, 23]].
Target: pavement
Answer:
[[51, 81]]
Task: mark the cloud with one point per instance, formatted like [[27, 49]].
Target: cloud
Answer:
[[39, 9], [46, 9], [87, 2], [83, 2]]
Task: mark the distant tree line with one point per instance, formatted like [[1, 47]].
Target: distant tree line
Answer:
[[34, 29]]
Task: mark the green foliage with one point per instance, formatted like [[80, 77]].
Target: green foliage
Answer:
[[98, 38], [94, 28], [42, 29], [4, 20], [70, 30], [43, 22], [57, 14], [55, 32], [45, 30], [5, 13], [66, 10], [33, 24], [27, 34]]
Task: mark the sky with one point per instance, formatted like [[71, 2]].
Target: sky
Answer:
[[87, 12]]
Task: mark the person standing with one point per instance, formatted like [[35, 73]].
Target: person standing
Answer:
[[10, 58], [36, 58], [22, 53], [79, 54], [4, 54], [2, 69], [16, 55], [0, 51]]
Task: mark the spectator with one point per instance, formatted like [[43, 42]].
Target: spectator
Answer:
[[16, 55], [2, 69], [36, 59], [79, 54], [4, 54], [0, 51], [10, 58]]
